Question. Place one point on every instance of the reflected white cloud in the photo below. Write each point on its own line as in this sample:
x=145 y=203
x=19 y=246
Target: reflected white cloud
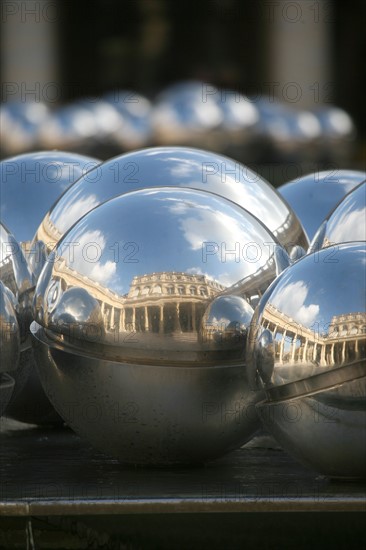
x=67 y=215
x=88 y=258
x=292 y=299
x=351 y=226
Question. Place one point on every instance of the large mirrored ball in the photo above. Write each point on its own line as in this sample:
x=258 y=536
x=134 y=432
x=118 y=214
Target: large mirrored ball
x=312 y=197
x=307 y=349
x=9 y=345
x=28 y=402
x=31 y=183
x=346 y=223
x=119 y=317
x=180 y=167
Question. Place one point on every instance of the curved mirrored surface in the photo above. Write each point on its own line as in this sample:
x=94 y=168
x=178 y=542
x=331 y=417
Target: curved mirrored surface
x=14 y=270
x=178 y=167
x=326 y=431
x=9 y=333
x=31 y=183
x=313 y=196
x=137 y=273
x=347 y=222
x=312 y=320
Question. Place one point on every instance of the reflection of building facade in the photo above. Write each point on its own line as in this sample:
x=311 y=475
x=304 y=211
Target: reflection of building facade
x=344 y=341
x=156 y=302
x=168 y=301
x=7 y=274
x=48 y=233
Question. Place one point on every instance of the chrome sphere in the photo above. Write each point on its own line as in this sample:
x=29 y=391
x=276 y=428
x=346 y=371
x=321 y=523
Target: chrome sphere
x=31 y=183
x=28 y=402
x=286 y=133
x=313 y=196
x=69 y=127
x=119 y=316
x=187 y=112
x=346 y=223
x=307 y=350
x=9 y=345
x=175 y=166
x=19 y=125
x=134 y=112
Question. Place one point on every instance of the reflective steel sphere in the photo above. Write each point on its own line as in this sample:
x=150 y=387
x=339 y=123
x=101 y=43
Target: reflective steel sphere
x=175 y=166
x=286 y=133
x=313 y=196
x=31 y=183
x=121 y=335
x=346 y=223
x=134 y=111
x=187 y=113
x=19 y=125
x=28 y=402
x=307 y=349
x=9 y=345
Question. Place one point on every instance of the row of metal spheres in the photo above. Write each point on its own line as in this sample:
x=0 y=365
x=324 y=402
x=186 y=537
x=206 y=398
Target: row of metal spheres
x=168 y=301
x=258 y=129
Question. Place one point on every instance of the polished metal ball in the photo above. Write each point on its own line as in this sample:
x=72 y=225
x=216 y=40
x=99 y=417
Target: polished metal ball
x=175 y=166
x=9 y=345
x=19 y=125
x=134 y=112
x=187 y=113
x=121 y=333
x=27 y=400
x=313 y=196
x=307 y=350
x=31 y=183
x=346 y=223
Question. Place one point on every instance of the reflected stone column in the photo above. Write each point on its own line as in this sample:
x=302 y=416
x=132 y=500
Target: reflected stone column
x=343 y=351
x=146 y=319
x=176 y=318
x=282 y=344
x=122 y=319
x=133 y=318
x=161 y=321
x=305 y=349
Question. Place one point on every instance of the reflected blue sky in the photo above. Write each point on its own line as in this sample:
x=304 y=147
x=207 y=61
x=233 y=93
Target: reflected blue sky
x=313 y=196
x=322 y=285
x=165 y=230
x=181 y=167
x=31 y=183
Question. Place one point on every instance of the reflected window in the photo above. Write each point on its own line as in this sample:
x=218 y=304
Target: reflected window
x=170 y=290
x=203 y=291
x=181 y=290
x=193 y=290
x=146 y=290
x=157 y=289
x=136 y=292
